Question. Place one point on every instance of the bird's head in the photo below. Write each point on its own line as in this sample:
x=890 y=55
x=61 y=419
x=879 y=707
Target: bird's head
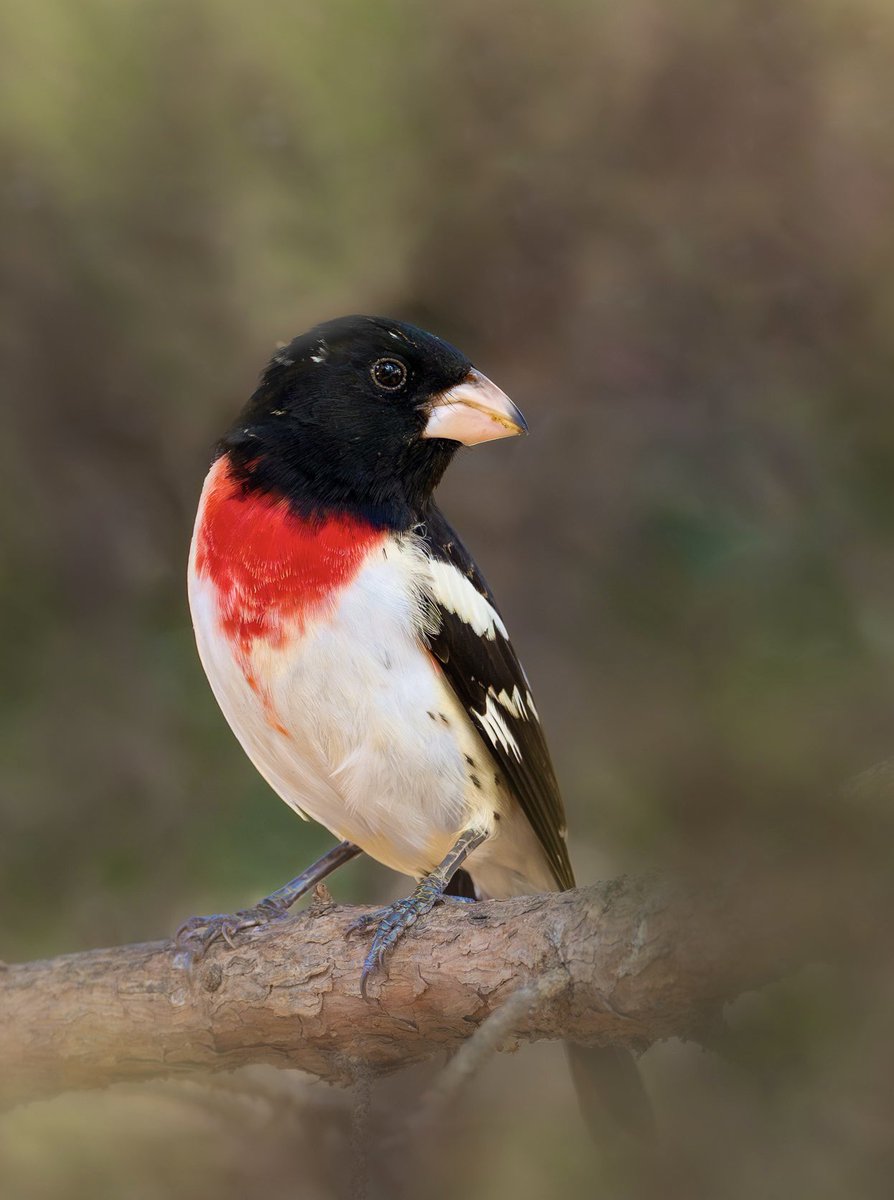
x=363 y=414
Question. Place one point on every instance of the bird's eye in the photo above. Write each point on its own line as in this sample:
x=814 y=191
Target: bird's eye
x=390 y=374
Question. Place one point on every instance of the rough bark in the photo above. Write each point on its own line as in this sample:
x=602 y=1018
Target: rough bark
x=629 y=961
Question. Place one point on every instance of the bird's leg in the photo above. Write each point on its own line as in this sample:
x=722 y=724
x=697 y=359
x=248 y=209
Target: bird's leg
x=195 y=935
x=394 y=920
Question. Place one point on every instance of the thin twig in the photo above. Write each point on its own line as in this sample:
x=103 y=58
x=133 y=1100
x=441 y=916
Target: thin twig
x=360 y=1133
x=484 y=1044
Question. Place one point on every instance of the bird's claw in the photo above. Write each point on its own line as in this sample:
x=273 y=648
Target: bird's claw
x=194 y=936
x=393 y=921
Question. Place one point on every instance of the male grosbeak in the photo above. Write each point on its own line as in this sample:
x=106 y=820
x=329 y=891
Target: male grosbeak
x=353 y=644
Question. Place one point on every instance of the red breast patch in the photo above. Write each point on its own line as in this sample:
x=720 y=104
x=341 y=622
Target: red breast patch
x=272 y=570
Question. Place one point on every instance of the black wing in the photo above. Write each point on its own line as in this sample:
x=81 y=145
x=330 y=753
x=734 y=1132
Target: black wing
x=482 y=668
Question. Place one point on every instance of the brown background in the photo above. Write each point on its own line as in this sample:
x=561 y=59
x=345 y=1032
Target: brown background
x=666 y=231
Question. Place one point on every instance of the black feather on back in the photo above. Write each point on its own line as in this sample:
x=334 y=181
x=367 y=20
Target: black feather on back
x=478 y=667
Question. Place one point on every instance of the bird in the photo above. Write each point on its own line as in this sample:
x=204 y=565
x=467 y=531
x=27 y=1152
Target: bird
x=356 y=650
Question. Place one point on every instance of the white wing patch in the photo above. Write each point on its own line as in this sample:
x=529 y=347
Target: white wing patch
x=521 y=706
x=458 y=595
x=496 y=728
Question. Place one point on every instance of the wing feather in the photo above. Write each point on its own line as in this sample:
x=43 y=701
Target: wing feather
x=473 y=647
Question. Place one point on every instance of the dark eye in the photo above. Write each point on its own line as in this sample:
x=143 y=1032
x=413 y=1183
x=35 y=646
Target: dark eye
x=390 y=374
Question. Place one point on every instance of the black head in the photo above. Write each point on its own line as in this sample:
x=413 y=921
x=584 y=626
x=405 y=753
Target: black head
x=363 y=414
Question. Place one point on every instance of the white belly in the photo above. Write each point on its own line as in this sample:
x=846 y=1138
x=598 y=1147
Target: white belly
x=351 y=722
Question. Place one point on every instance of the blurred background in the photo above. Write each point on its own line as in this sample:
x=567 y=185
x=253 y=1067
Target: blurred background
x=666 y=231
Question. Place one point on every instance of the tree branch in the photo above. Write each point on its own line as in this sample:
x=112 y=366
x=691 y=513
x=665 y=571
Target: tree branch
x=630 y=961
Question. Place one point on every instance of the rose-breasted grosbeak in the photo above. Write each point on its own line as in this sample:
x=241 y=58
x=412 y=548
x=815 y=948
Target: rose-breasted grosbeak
x=349 y=637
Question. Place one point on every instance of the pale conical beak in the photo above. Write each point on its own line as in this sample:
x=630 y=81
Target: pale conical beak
x=474 y=411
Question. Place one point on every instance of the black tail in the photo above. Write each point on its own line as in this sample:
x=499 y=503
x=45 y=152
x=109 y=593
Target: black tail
x=611 y=1094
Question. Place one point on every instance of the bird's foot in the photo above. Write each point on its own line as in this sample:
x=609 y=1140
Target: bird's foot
x=194 y=936
x=393 y=921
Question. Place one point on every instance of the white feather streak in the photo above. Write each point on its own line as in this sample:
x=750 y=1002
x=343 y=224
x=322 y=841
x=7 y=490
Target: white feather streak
x=458 y=595
x=496 y=729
